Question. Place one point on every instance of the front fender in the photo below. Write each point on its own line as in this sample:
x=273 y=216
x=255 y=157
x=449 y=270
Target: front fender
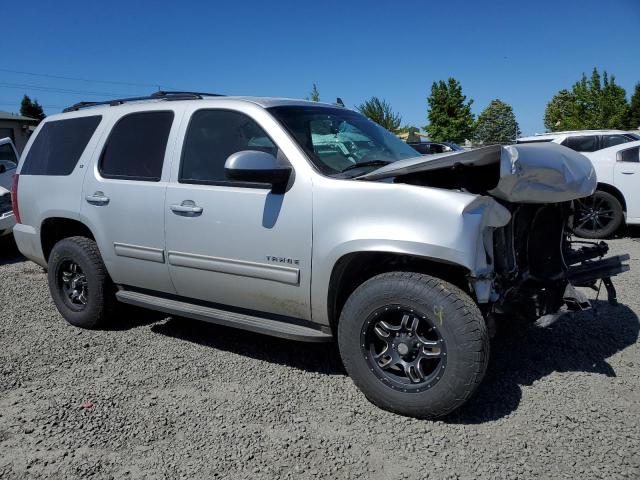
x=435 y=224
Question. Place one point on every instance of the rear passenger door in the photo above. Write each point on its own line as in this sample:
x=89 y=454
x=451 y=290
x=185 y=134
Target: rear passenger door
x=626 y=177
x=123 y=196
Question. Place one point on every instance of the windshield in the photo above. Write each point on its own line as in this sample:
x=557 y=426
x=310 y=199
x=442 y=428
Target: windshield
x=338 y=140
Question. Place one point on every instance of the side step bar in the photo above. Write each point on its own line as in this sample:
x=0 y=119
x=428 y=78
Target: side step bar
x=267 y=326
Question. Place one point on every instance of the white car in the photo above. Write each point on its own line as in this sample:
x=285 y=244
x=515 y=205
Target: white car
x=614 y=154
x=8 y=164
x=617 y=197
x=584 y=140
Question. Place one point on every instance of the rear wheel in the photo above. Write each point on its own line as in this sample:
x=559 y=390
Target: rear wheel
x=79 y=283
x=597 y=216
x=413 y=344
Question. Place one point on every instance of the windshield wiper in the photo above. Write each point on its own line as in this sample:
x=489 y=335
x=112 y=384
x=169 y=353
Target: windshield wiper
x=370 y=163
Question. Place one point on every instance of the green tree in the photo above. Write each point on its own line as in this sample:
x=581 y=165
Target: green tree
x=496 y=124
x=32 y=109
x=314 y=95
x=560 y=112
x=450 y=117
x=597 y=102
x=380 y=111
x=633 y=116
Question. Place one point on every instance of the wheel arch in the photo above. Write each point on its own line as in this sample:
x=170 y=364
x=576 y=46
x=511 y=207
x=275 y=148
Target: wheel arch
x=606 y=187
x=355 y=268
x=54 y=229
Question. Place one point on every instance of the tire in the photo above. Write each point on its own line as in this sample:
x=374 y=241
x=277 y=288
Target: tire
x=598 y=216
x=453 y=318
x=83 y=294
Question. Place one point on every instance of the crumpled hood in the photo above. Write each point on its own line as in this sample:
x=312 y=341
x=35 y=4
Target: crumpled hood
x=529 y=173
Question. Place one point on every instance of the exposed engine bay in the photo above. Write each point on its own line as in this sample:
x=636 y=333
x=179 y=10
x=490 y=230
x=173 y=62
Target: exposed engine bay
x=535 y=262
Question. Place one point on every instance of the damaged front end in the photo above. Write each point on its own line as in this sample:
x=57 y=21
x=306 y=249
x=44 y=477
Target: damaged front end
x=533 y=264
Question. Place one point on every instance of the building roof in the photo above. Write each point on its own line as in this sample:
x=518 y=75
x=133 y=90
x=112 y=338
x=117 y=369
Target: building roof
x=16 y=117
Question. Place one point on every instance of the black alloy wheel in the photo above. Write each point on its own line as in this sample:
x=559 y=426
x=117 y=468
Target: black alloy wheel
x=403 y=348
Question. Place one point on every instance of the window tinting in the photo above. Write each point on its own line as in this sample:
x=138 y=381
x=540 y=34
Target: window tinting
x=629 y=155
x=212 y=136
x=582 y=144
x=8 y=158
x=136 y=147
x=612 y=140
x=59 y=145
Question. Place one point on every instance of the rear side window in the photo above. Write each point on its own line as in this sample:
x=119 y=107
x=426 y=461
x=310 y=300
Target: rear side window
x=136 y=147
x=214 y=135
x=8 y=160
x=629 y=155
x=582 y=144
x=612 y=140
x=59 y=145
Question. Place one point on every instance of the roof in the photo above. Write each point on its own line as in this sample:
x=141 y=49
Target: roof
x=552 y=135
x=17 y=118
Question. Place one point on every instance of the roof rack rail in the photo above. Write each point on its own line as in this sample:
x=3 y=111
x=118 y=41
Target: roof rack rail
x=159 y=95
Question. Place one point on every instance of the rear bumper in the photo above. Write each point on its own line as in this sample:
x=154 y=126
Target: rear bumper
x=7 y=221
x=28 y=241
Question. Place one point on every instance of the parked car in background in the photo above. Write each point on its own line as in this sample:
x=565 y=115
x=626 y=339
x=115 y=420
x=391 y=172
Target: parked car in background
x=584 y=140
x=8 y=164
x=216 y=208
x=431 y=148
x=617 y=197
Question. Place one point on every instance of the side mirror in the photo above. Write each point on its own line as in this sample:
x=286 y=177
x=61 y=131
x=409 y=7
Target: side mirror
x=257 y=167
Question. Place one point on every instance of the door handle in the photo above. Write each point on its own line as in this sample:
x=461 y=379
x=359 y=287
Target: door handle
x=627 y=173
x=97 y=198
x=187 y=207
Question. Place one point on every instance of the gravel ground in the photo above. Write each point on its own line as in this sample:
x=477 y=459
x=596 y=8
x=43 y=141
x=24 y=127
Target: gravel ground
x=157 y=397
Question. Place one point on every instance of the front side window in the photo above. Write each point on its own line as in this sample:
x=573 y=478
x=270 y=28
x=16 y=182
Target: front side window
x=8 y=160
x=629 y=155
x=214 y=135
x=612 y=140
x=338 y=140
x=136 y=147
x=587 y=143
x=59 y=145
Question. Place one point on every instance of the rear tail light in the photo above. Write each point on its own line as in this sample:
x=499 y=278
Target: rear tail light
x=14 y=197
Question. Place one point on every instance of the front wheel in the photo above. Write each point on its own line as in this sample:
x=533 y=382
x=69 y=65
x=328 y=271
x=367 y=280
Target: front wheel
x=597 y=216
x=413 y=344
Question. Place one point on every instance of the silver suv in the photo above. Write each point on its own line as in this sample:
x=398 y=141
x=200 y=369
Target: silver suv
x=306 y=221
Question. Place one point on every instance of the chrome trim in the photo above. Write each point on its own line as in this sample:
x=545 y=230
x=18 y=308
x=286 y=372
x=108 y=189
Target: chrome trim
x=276 y=273
x=141 y=253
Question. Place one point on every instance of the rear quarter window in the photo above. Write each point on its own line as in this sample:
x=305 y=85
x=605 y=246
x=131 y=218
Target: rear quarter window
x=59 y=145
x=587 y=143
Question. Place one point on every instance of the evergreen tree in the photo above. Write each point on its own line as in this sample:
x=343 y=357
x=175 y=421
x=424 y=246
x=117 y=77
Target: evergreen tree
x=32 y=109
x=380 y=111
x=450 y=117
x=594 y=103
x=497 y=124
x=314 y=95
x=633 y=116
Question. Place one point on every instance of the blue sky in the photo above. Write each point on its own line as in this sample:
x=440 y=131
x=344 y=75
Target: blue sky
x=519 y=51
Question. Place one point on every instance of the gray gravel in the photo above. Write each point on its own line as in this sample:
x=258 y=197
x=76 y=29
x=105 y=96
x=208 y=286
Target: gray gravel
x=174 y=398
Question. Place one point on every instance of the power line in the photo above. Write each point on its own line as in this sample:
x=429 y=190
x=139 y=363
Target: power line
x=23 y=86
x=17 y=104
x=77 y=79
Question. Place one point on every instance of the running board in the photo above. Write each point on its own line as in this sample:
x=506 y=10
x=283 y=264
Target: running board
x=267 y=326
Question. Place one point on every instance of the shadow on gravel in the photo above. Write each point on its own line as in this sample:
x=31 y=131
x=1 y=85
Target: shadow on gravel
x=9 y=251
x=577 y=342
x=128 y=317
x=311 y=357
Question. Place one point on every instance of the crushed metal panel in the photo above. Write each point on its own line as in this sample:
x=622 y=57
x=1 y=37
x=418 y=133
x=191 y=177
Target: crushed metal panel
x=543 y=173
x=529 y=173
